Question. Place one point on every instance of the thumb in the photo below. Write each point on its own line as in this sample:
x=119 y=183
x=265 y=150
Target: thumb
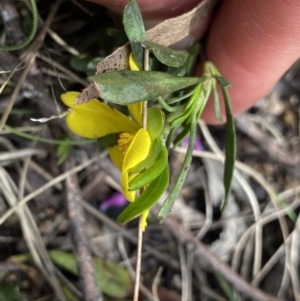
x=253 y=43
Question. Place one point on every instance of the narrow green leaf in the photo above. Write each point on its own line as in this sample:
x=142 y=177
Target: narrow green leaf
x=169 y=202
x=155 y=122
x=223 y=82
x=180 y=98
x=135 y=30
x=184 y=112
x=166 y=55
x=10 y=292
x=153 y=154
x=181 y=135
x=46 y=140
x=187 y=68
x=126 y=87
x=225 y=286
x=151 y=173
x=182 y=118
x=230 y=148
x=63 y=151
x=165 y=106
x=216 y=101
x=147 y=199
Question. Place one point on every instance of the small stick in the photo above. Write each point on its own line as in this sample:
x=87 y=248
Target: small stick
x=138 y=261
x=90 y=289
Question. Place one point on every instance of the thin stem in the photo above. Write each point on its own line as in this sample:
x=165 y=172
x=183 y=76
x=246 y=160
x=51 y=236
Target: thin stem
x=44 y=140
x=145 y=103
x=140 y=234
x=138 y=261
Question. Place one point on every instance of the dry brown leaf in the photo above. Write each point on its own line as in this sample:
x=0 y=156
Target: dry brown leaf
x=166 y=33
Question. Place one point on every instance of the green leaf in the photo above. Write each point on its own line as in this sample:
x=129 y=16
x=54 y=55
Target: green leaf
x=223 y=82
x=126 y=87
x=80 y=62
x=151 y=173
x=63 y=151
x=10 y=292
x=187 y=68
x=216 y=102
x=147 y=199
x=152 y=156
x=135 y=30
x=225 y=287
x=166 y=55
x=185 y=131
x=155 y=122
x=178 y=121
x=86 y=64
x=184 y=112
x=197 y=103
x=165 y=105
x=113 y=280
x=230 y=148
x=45 y=140
x=169 y=202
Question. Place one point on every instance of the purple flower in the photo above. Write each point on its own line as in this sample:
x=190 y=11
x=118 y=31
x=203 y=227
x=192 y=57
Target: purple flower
x=116 y=200
x=197 y=146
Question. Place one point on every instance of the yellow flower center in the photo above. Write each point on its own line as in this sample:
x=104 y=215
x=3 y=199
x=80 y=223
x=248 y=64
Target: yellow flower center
x=124 y=141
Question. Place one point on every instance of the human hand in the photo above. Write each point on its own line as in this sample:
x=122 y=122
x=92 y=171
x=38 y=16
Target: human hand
x=252 y=43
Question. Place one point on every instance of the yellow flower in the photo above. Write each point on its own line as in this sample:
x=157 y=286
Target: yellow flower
x=95 y=119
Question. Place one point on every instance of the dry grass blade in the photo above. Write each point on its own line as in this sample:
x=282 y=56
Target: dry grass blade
x=294 y=260
x=22 y=153
x=53 y=182
x=185 y=274
x=30 y=230
x=197 y=248
x=273 y=196
x=250 y=194
x=69 y=74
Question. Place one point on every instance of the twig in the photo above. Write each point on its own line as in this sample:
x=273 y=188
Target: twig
x=200 y=250
x=91 y=291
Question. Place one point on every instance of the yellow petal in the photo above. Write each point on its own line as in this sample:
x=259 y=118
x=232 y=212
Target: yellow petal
x=136 y=112
x=116 y=156
x=144 y=219
x=95 y=119
x=132 y=63
x=137 y=152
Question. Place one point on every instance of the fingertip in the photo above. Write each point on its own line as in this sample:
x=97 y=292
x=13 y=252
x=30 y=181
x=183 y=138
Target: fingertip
x=253 y=44
x=152 y=9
